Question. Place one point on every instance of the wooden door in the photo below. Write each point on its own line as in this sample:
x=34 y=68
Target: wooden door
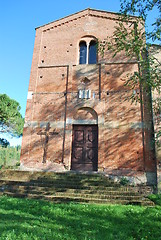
x=85 y=148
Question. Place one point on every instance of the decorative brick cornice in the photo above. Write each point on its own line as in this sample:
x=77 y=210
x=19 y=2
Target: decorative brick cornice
x=81 y=14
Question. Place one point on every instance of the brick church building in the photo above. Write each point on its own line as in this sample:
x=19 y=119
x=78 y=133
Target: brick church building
x=78 y=116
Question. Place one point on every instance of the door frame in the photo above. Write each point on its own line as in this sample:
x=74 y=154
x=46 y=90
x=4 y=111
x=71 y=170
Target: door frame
x=84 y=125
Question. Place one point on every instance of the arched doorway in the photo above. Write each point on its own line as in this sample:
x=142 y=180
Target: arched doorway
x=85 y=141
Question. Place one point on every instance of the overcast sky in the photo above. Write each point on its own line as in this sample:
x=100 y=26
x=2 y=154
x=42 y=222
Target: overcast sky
x=18 y=20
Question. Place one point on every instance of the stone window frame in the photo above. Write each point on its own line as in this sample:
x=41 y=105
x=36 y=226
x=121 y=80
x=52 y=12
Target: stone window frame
x=83 y=46
x=87 y=40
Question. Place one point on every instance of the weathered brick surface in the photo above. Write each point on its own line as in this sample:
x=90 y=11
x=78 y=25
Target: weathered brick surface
x=56 y=77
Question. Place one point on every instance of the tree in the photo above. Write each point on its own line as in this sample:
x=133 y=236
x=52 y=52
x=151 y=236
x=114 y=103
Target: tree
x=130 y=39
x=4 y=143
x=143 y=9
x=130 y=36
x=141 y=49
x=11 y=120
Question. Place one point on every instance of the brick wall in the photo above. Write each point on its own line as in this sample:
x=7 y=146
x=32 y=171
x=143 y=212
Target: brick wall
x=56 y=77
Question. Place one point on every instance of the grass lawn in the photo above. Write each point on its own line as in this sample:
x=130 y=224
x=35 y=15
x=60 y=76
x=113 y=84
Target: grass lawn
x=32 y=219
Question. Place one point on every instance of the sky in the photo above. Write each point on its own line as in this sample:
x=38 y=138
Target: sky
x=18 y=20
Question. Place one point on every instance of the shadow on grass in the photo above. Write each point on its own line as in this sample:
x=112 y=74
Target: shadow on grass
x=31 y=219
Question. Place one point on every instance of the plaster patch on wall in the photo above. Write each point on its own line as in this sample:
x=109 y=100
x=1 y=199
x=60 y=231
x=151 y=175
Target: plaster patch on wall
x=137 y=125
x=69 y=120
x=90 y=25
x=101 y=120
x=29 y=95
x=84 y=121
x=59 y=124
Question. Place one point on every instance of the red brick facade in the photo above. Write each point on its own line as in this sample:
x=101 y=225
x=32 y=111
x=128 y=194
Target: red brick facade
x=54 y=105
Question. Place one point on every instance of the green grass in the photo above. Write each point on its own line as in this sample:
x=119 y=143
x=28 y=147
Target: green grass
x=24 y=219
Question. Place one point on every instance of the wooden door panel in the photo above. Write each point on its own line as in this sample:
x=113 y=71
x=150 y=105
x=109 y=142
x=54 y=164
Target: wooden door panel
x=79 y=136
x=78 y=153
x=90 y=154
x=91 y=136
x=85 y=148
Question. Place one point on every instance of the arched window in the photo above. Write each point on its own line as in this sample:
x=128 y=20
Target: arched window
x=82 y=52
x=92 y=53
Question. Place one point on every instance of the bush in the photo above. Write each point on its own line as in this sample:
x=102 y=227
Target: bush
x=156 y=198
x=124 y=181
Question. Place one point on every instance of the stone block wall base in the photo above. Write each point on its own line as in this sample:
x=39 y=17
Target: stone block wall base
x=44 y=167
x=133 y=177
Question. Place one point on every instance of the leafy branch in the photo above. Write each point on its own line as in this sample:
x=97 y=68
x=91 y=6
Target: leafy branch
x=11 y=121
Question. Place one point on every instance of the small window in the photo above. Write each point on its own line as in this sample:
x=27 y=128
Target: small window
x=84 y=94
x=82 y=52
x=92 y=53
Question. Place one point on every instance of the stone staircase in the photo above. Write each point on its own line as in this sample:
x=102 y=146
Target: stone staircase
x=69 y=186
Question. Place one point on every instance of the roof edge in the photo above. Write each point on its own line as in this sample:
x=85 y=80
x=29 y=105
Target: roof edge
x=81 y=11
x=62 y=18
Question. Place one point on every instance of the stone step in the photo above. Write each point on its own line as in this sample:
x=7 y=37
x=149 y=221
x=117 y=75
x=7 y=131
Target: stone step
x=96 y=182
x=70 y=187
x=69 y=193
x=58 y=184
x=42 y=189
x=49 y=176
x=62 y=190
x=132 y=196
x=79 y=199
